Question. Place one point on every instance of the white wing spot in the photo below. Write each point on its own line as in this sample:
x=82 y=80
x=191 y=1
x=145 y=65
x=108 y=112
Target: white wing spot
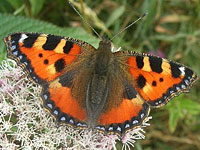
x=50 y=106
x=84 y=125
x=186 y=82
x=142 y=115
x=62 y=118
x=45 y=96
x=25 y=63
x=79 y=124
x=71 y=121
x=134 y=122
x=110 y=128
x=102 y=128
x=55 y=112
x=15 y=53
x=115 y=50
x=183 y=86
x=23 y=37
x=20 y=57
x=127 y=126
x=13 y=47
x=119 y=129
x=98 y=127
x=182 y=69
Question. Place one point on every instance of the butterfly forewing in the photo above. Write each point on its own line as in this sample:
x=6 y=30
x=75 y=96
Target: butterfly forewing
x=157 y=80
x=44 y=57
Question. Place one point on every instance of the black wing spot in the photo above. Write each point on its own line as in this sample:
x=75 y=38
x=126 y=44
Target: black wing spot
x=188 y=72
x=14 y=38
x=59 y=65
x=40 y=55
x=141 y=81
x=30 y=40
x=175 y=70
x=139 y=61
x=161 y=79
x=155 y=64
x=154 y=83
x=68 y=46
x=51 y=42
x=46 y=61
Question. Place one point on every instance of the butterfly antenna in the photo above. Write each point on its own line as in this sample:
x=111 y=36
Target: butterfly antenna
x=85 y=20
x=141 y=17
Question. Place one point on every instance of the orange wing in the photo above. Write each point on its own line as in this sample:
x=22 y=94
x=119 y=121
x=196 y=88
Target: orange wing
x=58 y=100
x=43 y=56
x=128 y=115
x=157 y=80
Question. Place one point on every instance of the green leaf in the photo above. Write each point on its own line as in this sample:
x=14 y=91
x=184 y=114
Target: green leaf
x=175 y=113
x=16 y=4
x=36 y=6
x=10 y=24
x=190 y=106
x=14 y=129
x=91 y=14
x=179 y=108
x=174 y=116
x=115 y=15
x=5 y=6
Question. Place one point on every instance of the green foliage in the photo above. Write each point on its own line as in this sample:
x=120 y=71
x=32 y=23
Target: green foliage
x=182 y=109
x=11 y=24
x=115 y=15
x=36 y=6
x=171 y=27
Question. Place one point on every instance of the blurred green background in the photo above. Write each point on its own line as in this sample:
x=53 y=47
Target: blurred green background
x=171 y=29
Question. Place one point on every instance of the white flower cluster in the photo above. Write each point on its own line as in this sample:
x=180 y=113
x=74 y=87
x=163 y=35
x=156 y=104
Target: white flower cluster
x=24 y=124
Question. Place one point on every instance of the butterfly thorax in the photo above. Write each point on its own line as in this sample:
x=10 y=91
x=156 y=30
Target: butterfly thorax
x=103 y=58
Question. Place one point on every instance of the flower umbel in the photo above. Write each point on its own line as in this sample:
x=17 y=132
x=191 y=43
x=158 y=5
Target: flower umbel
x=24 y=124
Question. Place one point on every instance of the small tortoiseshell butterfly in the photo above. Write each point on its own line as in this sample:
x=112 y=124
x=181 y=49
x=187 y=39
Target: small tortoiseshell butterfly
x=95 y=88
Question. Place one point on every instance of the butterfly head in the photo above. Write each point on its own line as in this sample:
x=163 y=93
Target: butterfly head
x=105 y=44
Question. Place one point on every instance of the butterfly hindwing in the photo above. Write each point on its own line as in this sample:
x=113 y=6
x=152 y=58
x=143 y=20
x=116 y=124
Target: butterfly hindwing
x=157 y=80
x=44 y=57
x=128 y=115
x=57 y=99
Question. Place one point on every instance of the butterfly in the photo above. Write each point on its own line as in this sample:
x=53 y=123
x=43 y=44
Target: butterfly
x=94 y=88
